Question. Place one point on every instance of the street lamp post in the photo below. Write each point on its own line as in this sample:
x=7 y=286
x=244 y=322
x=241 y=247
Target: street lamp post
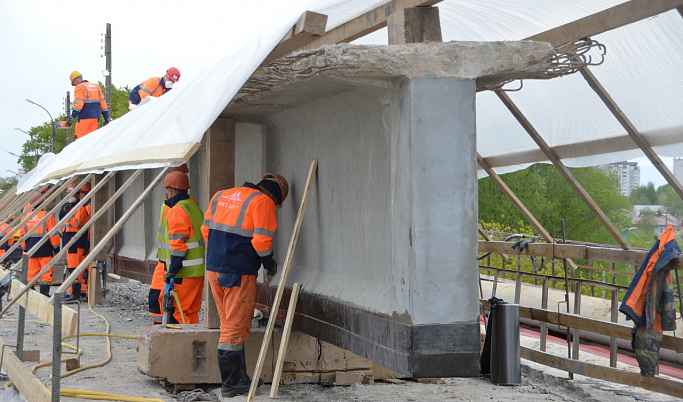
x=54 y=133
x=35 y=145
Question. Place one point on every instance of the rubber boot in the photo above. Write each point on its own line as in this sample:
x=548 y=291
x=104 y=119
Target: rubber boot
x=75 y=293
x=243 y=366
x=234 y=378
x=45 y=290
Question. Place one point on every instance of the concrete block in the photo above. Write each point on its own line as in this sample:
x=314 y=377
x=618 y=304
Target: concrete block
x=348 y=377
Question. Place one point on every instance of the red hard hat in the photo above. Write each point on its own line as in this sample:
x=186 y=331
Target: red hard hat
x=177 y=180
x=182 y=169
x=281 y=181
x=173 y=74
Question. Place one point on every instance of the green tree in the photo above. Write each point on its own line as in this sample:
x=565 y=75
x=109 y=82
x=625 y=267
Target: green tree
x=43 y=133
x=671 y=200
x=549 y=197
x=644 y=195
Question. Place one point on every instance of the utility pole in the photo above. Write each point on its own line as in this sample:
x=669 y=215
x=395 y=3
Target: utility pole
x=107 y=73
x=67 y=110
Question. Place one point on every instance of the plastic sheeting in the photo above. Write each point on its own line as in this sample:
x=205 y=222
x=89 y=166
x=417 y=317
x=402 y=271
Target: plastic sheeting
x=641 y=71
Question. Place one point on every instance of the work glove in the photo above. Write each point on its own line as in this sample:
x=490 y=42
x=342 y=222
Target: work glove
x=272 y=271
x=107 y=120
x=57 y=125
x=168 y=276
x=69 y=121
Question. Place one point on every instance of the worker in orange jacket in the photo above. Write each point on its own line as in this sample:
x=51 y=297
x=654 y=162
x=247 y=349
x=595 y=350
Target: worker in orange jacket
x=5 y=229
x=77 y=252
x=88 y=103
x=181 y=249
x=41 y=257
x=239 y=226
x=153 y=87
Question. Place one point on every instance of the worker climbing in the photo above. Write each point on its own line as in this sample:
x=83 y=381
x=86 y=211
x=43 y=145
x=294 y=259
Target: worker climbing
x=239 y=226
x=181 y=253
x=88 y=103
x=153 y=88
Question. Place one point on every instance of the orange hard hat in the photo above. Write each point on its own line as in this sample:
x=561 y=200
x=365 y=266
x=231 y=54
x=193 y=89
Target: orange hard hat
x=177 y=180
x=71 y=188
x=86 y=187
x=182 y=169
x=281 y=182
x=173 y=74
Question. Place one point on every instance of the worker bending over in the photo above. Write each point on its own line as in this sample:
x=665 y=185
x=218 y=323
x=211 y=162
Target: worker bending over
x=181 y=248
x=88 y=102
x=239 y=225
x=77 y=252
x=154 y=87
x=41 y=257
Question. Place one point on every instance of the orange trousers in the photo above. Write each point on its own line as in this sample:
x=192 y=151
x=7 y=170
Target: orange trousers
x=235 y=307
x=189 y=294
x=35 y=264
x=86 y=126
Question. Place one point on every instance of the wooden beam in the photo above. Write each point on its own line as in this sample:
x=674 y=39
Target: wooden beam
x=369 y=22
x=520 y=206
x=606 y=20
x=220 y=174
x=486 y=237
x=283 y=280
x=657 y=384
x=564 y=171
x=414 y=25
x=632 y=131
x=310 y=26
x=284 y=341
x=26 y=382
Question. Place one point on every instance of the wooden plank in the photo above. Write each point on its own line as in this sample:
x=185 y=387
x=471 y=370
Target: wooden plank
x=657 y=384
x=286 y=331
x=564 y=171
x=369 y=22
x=220 y=174
x=283 y=281
x=606 y=20
x=632 y=131
x=486 y=237
x=414 y=25
x=26 y=382
x=39 y=305
x=311 y=25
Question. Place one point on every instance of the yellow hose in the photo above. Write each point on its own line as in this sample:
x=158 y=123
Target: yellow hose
x=74 y=393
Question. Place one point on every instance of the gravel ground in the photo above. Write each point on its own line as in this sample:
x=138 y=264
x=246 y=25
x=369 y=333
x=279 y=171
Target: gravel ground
x=126 y=310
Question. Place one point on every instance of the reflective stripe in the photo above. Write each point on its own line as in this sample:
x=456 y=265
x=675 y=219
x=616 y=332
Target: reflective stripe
x=230 y=229
x=264 y=253
x=178 y=253
x=178 y=236
x=162 y=230
x=165 y=246
x=243 y=210
x=231 y=346
x=264 y=232
x=189 y=263
x=145 y=90
x=195 y=244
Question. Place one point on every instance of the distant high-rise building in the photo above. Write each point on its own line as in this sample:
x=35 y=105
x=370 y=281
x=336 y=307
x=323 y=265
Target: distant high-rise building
x=678 y=168
x=628 y=174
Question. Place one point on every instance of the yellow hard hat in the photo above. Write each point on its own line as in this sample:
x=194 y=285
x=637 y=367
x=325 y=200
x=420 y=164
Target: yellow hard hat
x=73 y=76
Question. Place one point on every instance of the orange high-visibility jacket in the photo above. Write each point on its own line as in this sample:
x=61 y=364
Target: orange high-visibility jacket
x=238 y=227
x=69 y=230
x=4 y=230
x=154 y=87
x=89 y=101
x=46 y=250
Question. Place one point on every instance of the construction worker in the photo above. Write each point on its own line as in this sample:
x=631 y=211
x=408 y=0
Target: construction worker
x=88 y=103
x=5 y=228
x=77 y=252
x=239 y=225
x=182 y=248
x=154 y=87
x=40 y=258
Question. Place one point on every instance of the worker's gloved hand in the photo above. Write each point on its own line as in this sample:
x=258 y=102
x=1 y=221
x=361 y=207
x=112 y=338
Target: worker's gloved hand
x=69 y=121
x=57 y=125
x=107 y=120
x=168 y=276
x=272 y=271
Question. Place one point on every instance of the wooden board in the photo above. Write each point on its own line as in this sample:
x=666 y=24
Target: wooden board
x=310 y=26
x=286 y=331
x=283 y=281
x=26 y=382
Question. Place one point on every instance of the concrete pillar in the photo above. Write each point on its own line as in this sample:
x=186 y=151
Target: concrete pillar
x=436 y=190
x=220 y=174
x=414 y=25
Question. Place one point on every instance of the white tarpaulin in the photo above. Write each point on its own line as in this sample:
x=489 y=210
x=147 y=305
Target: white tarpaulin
x=641 y=72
